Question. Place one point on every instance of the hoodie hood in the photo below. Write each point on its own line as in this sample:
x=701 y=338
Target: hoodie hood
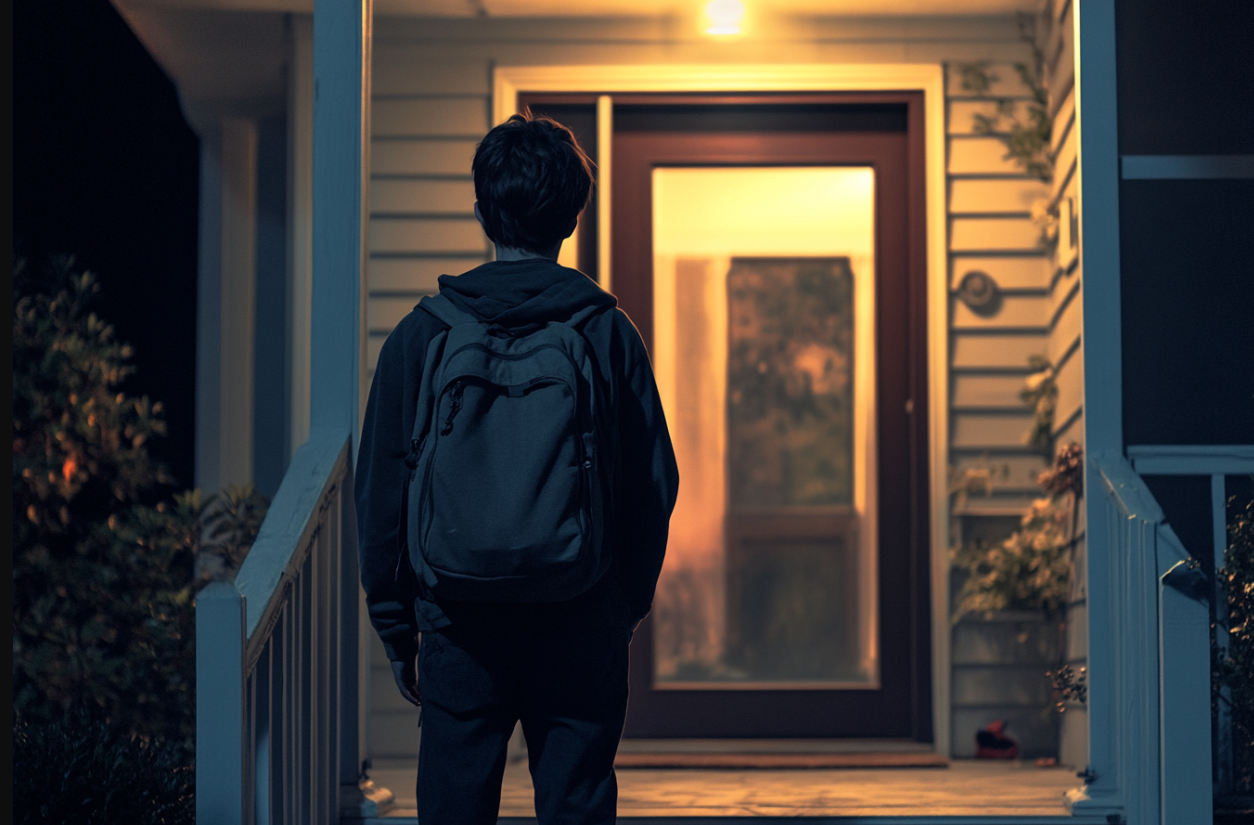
x=519 y=293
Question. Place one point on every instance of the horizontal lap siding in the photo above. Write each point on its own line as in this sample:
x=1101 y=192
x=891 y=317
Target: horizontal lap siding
x=979 y=156
x=427 y=116
x=962 y=113
x=1003 y=354
x=991 y=203
x=1001 y=430
x=411 y=116
x=406 y=156
x=1027 y=272
x=1028 y=312
x=390 y=197
x=413 y=236
x=986 y=390
x=1012 y=476
x=991 y=230
x=982 y=195
x=397 y=276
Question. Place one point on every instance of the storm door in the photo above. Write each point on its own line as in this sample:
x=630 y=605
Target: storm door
x=771 y=252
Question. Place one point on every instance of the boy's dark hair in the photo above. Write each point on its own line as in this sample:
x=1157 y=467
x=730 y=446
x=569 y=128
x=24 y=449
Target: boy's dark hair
x=532 y=180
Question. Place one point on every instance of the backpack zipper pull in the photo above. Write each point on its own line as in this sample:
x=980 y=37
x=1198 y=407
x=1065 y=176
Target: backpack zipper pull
x=411 y=460
x=455 y=407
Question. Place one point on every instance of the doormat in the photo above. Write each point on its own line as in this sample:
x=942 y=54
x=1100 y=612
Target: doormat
x=742 y=761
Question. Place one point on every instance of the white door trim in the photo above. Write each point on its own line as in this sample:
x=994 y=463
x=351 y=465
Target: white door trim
x=929 y=78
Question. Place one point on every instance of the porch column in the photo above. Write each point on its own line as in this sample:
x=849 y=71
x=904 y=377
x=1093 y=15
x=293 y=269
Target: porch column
x=1113 y=786
x=226 y=302
x=300 y=105
x=341 y=132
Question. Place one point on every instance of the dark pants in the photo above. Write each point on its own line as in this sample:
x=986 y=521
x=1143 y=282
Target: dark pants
x=559 y=668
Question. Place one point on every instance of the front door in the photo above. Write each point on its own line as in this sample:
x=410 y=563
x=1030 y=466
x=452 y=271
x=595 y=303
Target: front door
x=770 y=249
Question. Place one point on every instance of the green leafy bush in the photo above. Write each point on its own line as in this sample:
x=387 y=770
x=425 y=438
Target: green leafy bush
x=82 y=770
x=106 y=560
x=102 y=566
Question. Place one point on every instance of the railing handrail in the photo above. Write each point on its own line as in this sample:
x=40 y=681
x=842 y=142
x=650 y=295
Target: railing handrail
x=1128 y=490
x=1132 y=496
x=277 y=696
x=288 y=530
x=1192 y=459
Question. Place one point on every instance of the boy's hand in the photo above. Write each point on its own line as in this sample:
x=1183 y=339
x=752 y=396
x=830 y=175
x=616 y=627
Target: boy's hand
x=406 y=675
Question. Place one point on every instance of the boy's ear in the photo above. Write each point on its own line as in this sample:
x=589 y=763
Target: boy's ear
x=478 y=214
x=570 y=230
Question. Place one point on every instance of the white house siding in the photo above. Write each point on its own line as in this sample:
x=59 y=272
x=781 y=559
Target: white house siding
x=990 y=203
x=432 y=99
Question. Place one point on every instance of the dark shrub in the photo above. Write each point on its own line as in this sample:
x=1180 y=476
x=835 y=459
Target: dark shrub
x=80 y=770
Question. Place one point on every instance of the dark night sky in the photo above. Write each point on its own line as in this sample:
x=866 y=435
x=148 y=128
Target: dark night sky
x=106 y=168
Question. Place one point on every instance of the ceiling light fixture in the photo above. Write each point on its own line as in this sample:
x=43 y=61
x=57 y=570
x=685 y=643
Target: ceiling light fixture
x=723 y=16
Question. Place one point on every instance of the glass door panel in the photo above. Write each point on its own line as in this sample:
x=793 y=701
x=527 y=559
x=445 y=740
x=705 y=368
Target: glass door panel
x=764 y=355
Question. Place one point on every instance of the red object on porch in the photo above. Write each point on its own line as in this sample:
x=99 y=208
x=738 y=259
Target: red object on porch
x=993 y=743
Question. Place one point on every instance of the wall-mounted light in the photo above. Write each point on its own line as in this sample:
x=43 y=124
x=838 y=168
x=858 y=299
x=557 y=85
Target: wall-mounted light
x=723 y=17
x=980 y=293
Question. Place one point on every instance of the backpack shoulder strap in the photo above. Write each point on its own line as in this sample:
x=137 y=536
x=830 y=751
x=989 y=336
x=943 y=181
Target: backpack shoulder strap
x=444 y=309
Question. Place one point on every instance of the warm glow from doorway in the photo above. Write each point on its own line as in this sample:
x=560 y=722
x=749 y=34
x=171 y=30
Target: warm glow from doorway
x=703 y=218
x=723 y=17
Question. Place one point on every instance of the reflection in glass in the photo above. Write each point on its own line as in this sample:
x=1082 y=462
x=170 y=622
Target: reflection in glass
x=764 y=358
x=789 y=381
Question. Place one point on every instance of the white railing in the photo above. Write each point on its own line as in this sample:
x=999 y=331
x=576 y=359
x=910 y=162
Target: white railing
x=1214 y=461
x=277 y=660
x=1157 y=693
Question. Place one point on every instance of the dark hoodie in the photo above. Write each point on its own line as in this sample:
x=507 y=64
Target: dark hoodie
x=641 y=490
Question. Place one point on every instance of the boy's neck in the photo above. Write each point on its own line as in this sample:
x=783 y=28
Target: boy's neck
x=510 y=253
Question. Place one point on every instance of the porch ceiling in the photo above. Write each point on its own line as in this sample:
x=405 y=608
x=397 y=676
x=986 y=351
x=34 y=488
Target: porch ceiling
x=612 y=8
x=227 y=56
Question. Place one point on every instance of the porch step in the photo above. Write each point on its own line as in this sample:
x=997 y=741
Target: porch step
x=888 y=819
x=969 y=792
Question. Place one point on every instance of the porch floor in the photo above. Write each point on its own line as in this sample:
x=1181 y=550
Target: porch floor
x=967 y=788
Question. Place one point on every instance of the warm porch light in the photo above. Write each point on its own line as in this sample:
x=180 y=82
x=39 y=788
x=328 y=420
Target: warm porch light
x=724 y=16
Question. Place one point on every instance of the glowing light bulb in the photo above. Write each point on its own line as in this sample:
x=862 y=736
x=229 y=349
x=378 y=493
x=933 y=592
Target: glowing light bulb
x=724 y=16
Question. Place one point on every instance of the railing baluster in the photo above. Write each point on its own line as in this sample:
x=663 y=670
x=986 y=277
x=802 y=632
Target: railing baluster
x=291 y=709
x=302 y=720
x=261 y=751
x=278 y=758
x=323 y=574
x=250 y=751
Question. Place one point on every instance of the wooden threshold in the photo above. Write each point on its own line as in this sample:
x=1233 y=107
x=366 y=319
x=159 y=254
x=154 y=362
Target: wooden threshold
x=748 y=761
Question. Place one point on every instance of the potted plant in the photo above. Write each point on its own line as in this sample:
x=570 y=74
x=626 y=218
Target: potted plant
x=1009 y=617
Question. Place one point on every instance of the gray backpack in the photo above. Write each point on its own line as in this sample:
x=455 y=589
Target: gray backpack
x=504 y=500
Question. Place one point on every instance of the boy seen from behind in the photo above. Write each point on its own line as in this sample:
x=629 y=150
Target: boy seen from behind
x=514 y=488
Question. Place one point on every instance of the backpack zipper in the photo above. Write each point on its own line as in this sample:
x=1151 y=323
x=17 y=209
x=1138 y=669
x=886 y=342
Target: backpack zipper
x=458 y=388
